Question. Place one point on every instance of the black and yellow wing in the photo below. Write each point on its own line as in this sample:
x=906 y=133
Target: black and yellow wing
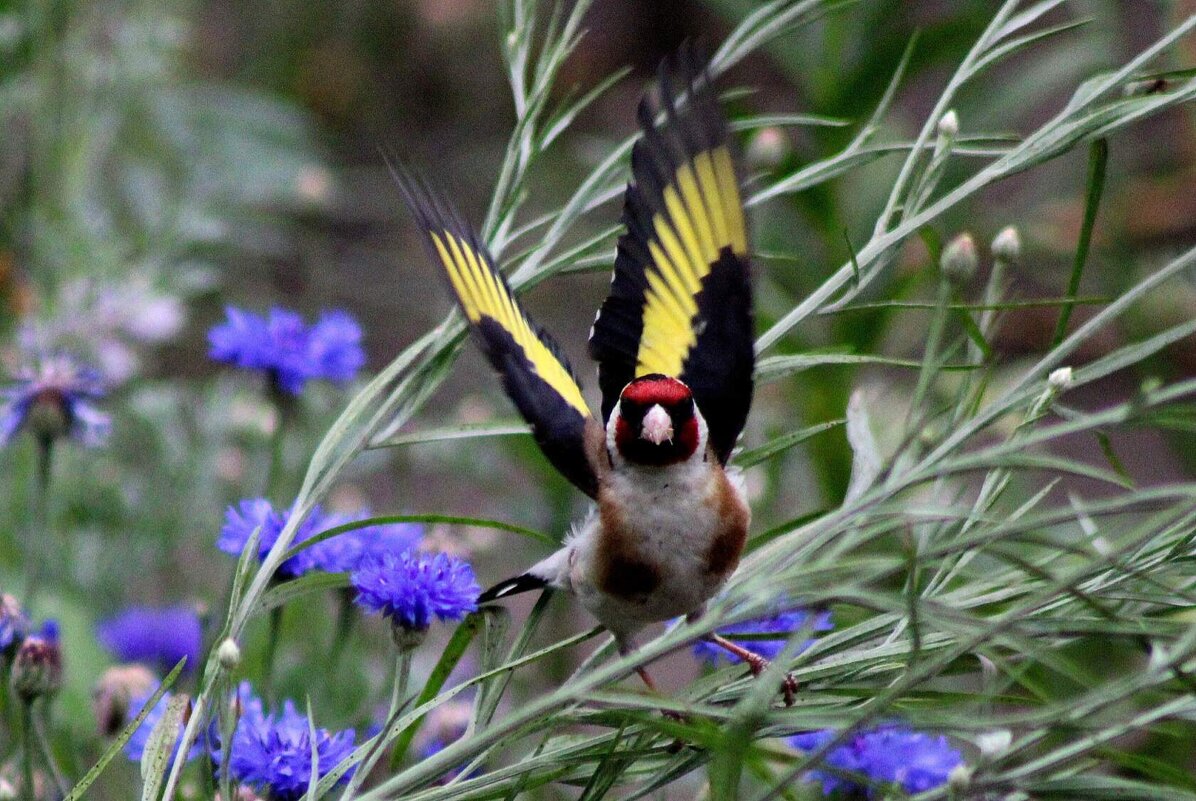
x=680 y=302
x=534 y=372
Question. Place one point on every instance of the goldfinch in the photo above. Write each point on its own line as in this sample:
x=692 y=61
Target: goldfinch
x=674 y=347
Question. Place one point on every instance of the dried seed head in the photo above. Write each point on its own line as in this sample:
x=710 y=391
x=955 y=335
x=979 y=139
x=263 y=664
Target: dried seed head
x=115 y=691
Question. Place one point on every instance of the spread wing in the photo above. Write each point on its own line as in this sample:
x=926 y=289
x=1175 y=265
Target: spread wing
x=681 y=300
x=534 y=372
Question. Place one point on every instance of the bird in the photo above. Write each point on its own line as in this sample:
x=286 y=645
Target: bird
x=674 y=347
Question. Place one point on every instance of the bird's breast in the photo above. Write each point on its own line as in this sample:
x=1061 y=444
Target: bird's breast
x=667 y=538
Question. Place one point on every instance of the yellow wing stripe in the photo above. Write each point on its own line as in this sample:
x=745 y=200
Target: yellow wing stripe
x=710 y=194
x=697 y=212
x=703 y=214
x=482 y=295
x=728 y=186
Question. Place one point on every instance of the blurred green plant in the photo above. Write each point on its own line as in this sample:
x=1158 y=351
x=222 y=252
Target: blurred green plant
x=973 y=561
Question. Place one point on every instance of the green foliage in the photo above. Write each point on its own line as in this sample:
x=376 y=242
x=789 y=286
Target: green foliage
x=987 y=582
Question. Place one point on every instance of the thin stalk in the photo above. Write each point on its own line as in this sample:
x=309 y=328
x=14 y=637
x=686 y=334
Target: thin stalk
x=27 y=790
x=344 y=627
x=39 y=530
x=43 y=744
x=284 y=406
x=271 y=651
x=402 y=676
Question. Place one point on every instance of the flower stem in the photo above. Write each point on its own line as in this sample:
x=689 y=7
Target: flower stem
x=284 y=407
x=43 y=744
x=344 y=626
x=402 y=675
x=41 y=516
x=27 y=789
x=271 y=650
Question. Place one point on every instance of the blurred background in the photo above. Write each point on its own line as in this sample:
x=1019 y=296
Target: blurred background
x=164 y=159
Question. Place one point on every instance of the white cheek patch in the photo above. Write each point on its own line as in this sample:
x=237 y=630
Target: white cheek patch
x=657 y=426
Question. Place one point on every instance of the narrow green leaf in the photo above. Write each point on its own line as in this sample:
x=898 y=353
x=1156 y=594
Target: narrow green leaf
x=453 y=651
x=118 y=743
x=1098 y=159
x=753 y=456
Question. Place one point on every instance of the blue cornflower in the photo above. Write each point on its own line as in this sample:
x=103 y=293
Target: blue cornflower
x=385 y=538
x=412 y=587
x=340 y=553
x=158 y=637
x=14 y=624
x=885 y=755
x=289 y=351
x=135 y=747
x=783 y=624
x=54 y=399
x=273 y=752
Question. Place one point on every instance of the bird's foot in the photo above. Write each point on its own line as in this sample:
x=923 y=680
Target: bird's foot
x=757 y=665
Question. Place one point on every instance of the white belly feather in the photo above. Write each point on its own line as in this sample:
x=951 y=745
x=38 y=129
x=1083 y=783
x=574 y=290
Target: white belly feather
x=672 y=516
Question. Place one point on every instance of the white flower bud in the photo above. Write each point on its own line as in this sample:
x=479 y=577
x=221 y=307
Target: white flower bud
x=768 y=148
x=229 y=654
x=993 y=744
x=1007 y=244
x=959 y=260
x=949 y=125
x=1060 y=379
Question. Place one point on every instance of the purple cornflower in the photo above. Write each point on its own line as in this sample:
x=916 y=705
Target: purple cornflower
x=286 y=349
x=412 y=587
x=135 y=747
x=157 y=637
x=54 y=399
x=885 y=755
x=339 y=553
x=782 y=624
x=14 y=624
x=273 y=752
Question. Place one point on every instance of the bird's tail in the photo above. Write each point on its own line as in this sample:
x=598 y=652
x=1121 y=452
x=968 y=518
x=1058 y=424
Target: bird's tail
x=513 y=586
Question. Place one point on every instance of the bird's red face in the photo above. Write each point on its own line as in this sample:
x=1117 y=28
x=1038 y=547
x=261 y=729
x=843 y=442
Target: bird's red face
x=657 y=423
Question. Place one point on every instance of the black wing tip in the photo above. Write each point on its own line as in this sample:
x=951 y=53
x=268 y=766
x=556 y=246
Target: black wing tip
x=512 y=586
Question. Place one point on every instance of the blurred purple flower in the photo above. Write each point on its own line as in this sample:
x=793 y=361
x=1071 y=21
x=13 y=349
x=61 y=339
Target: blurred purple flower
x=289 y=351
x=273 y=752
x=886 y=755
x=157 y=637
x=135 y=747
x=339 y=553
x=14 y=624
x=783 y=624
x=55 y=399
x=411 y=588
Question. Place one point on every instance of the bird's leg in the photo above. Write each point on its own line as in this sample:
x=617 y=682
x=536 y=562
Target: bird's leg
x=756 y=664
x=626 y=648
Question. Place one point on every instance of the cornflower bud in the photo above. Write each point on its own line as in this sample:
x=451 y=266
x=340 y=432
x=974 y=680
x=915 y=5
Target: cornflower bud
x=949 y=124
x=114 y=692
x=1007 y=245
x=1060 y=379
x=768 y=148
x=229 y=654
x=948 y=129
x=37 y=667
x=959 y=259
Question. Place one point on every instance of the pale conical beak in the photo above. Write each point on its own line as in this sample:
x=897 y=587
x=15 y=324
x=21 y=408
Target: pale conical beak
x=658 y=426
